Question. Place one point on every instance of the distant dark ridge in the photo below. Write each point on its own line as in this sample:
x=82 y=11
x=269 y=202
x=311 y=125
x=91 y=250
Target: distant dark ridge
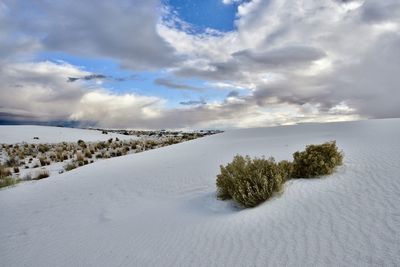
x=71 y=124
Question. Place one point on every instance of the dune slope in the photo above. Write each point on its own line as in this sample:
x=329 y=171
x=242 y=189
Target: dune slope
x=158 y=208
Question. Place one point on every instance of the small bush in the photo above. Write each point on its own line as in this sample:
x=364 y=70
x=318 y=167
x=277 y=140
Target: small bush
x=249 y=181
x=82 y=144
x=12 y=161
x=88 y=154
x=43 y=148
x=69 y=167
x=42 y=174
x=16 y=170
x=79 y=156
x=316 y=160
x=4 y=172
x=42 y=161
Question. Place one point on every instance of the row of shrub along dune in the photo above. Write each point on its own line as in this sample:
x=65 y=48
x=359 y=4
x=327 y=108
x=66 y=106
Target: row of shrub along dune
x=250 y=182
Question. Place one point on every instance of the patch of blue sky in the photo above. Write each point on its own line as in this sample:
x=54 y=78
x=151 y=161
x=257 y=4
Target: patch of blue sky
x=203 y=14
x=122 y=81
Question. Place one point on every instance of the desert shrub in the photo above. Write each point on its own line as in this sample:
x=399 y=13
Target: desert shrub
x=6 y=181
x=316 y=160
x=43 y=161
x=286 y=169
x=85 y=162
x=172 y=141
x=43 y=148
x=69 y=167
x=79 y=156
x=42 y=174
x=134 y=145
x=249 y=181
x=16 y=169
x=88 y=154
x=82 y=144
x=4 y=172
x=99 y=156
x=12 y=161
x=101 y=145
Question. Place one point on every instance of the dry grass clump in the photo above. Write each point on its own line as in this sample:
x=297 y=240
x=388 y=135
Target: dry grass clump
x=4 y=171
x=79 y=156
x=249 y=181
x=5 y=177
x=316 y=160
x=88 y=154
x=43 y=148
x=69 y=167
x=42 y=174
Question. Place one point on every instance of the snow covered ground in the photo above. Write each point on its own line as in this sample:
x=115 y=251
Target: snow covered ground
x=158 y=208
x=11 y=134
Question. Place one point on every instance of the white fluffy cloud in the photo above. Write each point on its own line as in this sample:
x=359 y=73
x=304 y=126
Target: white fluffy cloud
x=41 y=91
x=306 y=52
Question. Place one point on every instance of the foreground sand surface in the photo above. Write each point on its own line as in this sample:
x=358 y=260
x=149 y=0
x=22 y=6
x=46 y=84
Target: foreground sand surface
x=158 y=208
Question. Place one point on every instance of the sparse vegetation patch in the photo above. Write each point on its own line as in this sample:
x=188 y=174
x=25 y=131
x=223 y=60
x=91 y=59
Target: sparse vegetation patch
x=23 y=160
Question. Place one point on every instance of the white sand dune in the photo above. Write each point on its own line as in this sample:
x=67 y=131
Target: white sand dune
x=158 y=208
x=11 y=134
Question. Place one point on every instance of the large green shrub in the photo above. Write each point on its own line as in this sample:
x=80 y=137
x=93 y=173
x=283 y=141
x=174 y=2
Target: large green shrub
x=316 y=160
x=249 y=181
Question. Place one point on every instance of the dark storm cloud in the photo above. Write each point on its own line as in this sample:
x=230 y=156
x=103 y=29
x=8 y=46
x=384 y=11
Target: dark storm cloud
x=376 y=11
x=233 y=94
x=122 y=30
x=87 y=77
x=289 y=55
x=174 y=85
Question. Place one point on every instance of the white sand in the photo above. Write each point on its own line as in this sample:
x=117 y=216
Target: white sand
x=158 y=208
x=11 y=134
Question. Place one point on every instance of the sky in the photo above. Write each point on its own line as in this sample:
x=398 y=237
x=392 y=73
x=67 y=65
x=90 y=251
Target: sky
x=200 y=64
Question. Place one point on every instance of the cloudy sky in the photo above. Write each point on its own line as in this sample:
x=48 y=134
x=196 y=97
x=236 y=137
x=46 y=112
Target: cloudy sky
x=180 y=64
